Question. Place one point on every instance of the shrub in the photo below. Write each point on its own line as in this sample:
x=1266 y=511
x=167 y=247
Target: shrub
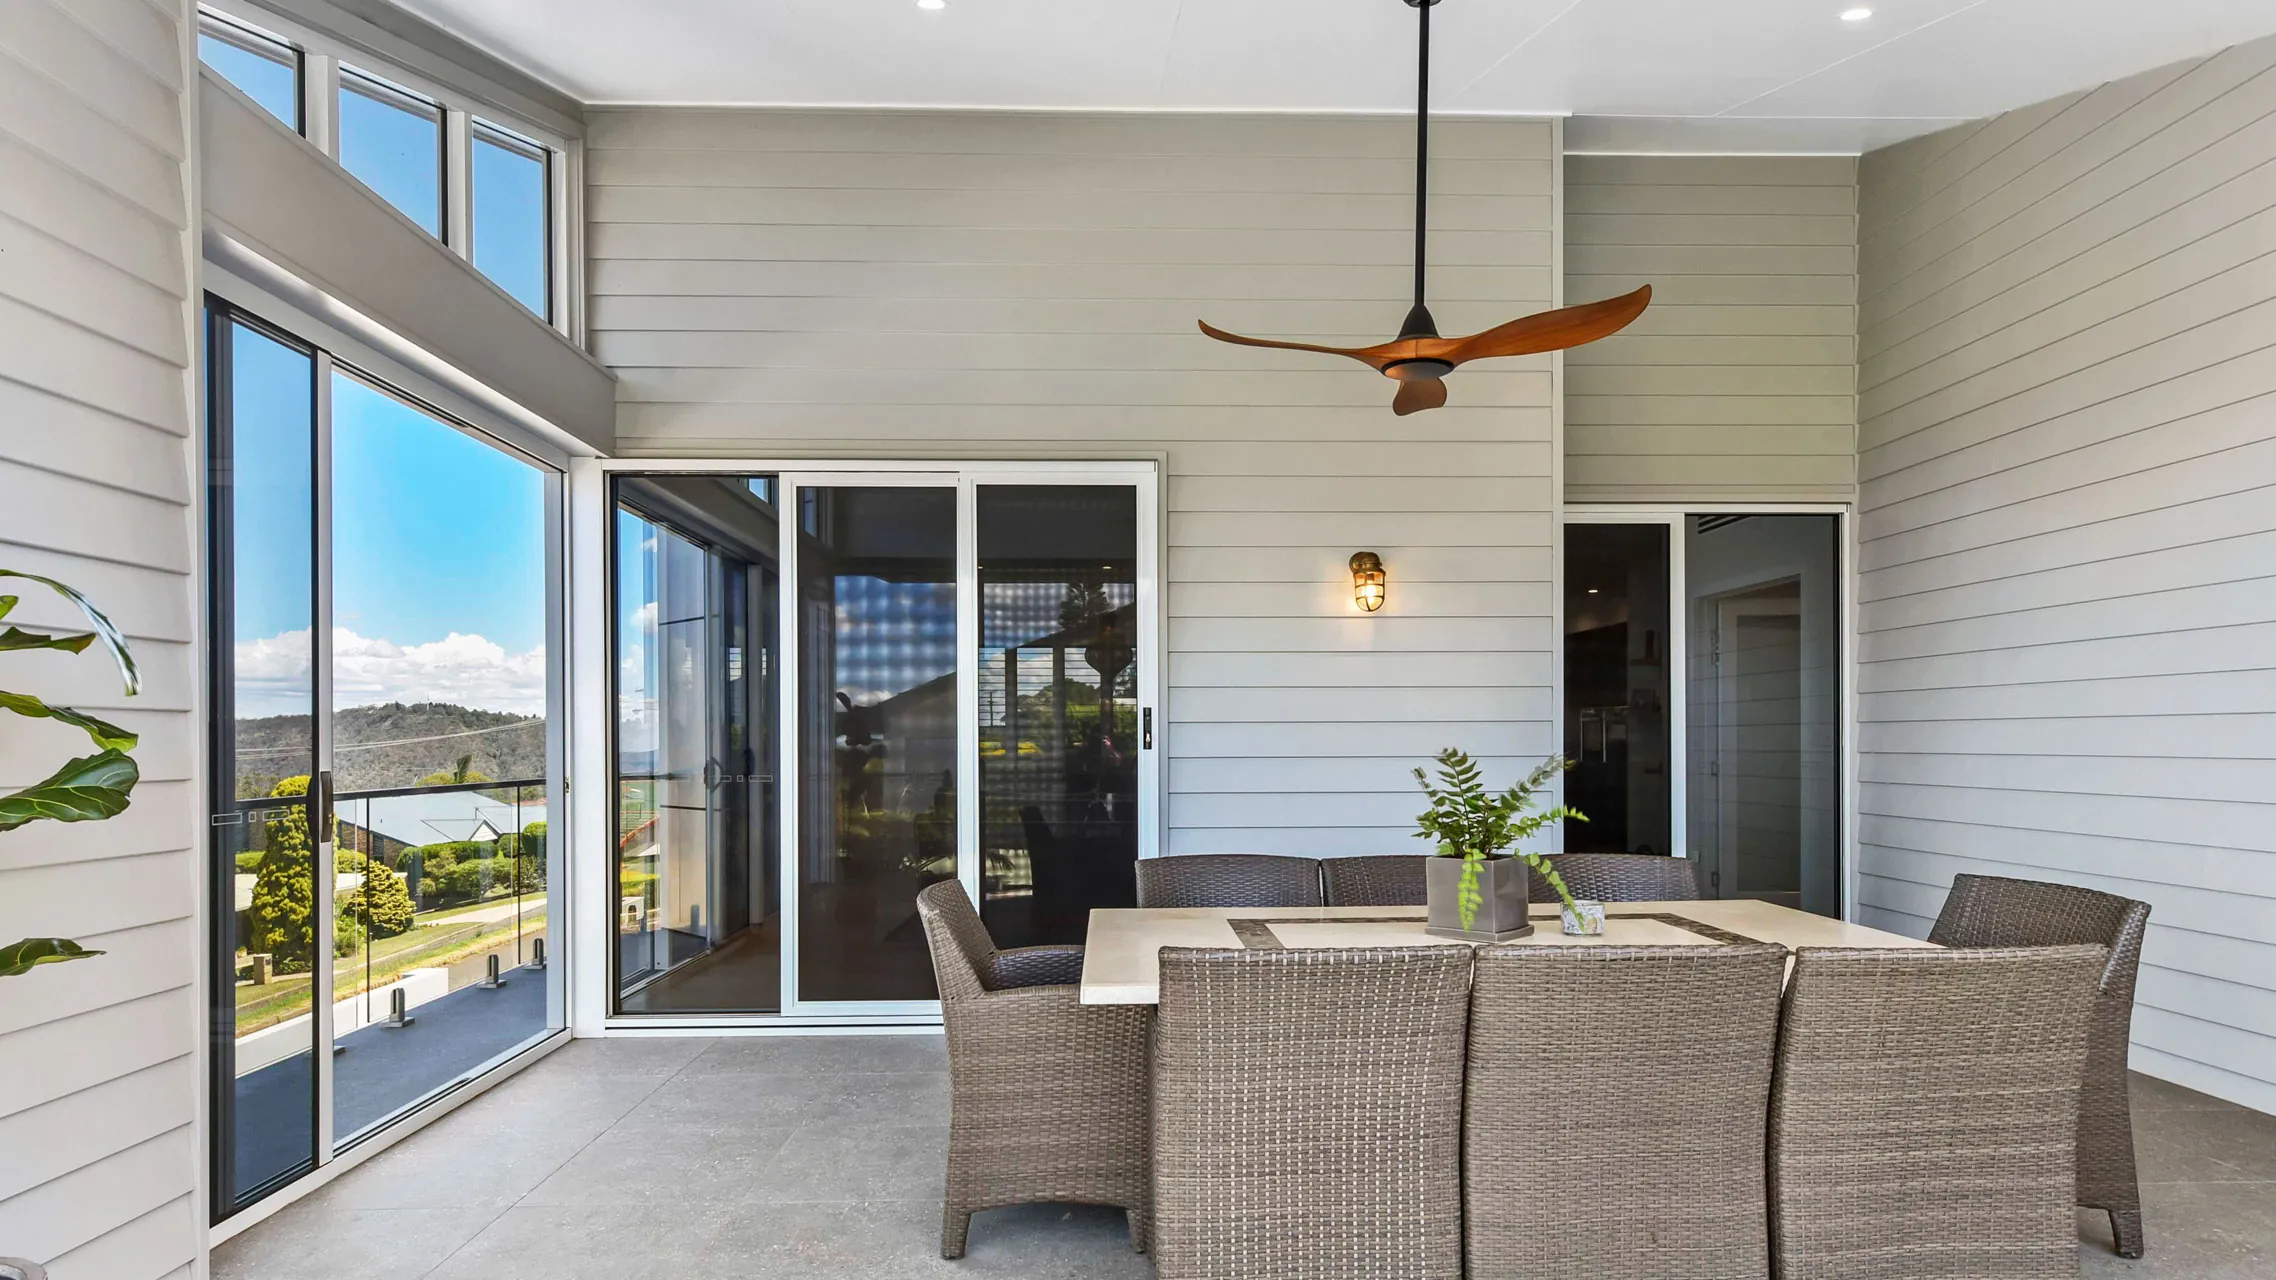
x=249 y=862
x=284 y=893
x=427 y=865
x=384 y=906
x=472 y=880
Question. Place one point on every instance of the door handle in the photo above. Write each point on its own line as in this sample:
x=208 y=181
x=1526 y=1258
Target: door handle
x=1146 y=729
x=324 y=806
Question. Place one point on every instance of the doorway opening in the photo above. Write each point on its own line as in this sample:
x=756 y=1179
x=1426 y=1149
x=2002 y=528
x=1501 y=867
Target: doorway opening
x=1703 y=697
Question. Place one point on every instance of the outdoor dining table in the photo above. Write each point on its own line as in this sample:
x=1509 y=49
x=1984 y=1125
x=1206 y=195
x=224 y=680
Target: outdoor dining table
x=1122 y=954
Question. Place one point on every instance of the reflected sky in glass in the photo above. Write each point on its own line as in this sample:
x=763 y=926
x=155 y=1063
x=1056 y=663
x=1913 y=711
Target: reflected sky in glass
x=509 y=220
x=438 y=561
x=395 y=151
x=275 y=85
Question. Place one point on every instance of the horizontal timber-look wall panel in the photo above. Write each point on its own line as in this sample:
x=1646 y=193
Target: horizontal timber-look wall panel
x=2067 y=551
x=99 y=1070
x=880 y=284
x=1739 y=383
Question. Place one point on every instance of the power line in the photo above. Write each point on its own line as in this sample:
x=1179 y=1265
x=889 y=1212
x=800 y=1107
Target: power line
x=394 y=742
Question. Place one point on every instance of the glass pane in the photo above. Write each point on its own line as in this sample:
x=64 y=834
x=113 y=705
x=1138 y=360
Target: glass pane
x=264 y=510
x=877 y=735
x=698 y=903
x=1616 y=688
x=510 y=223
x=439 y=752
x=267 y=70
x=393 y=142
x=1058 y=707
x=1764 y=786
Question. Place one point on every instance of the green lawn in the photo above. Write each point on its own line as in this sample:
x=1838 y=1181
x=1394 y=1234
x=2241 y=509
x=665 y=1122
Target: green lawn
x=433 y=942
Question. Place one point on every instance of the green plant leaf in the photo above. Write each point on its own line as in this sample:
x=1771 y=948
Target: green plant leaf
x=87 y=789
x=104 y=630
x=18 y=957
x=18 y=638
x=104 y=733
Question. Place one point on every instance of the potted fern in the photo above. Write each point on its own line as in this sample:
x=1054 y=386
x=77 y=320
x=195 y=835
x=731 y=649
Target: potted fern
x=1475 y=890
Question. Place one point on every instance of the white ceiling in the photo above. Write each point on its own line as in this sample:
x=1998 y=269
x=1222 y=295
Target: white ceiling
x=1648 y=75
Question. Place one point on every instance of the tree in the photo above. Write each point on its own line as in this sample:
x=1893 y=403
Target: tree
x=281 y=920
x=528 y=852
x=458 y=775
x=384 y=906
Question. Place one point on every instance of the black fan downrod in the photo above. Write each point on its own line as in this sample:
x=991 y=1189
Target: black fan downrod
x=1419 y=322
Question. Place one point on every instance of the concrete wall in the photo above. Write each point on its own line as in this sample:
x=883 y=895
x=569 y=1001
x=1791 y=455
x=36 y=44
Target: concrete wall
x=2068 y=494
x=99 y=1063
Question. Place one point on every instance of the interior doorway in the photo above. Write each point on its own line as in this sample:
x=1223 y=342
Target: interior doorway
x=1704 y=694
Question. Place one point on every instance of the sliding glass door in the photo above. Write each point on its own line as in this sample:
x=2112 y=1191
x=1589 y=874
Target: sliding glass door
x=1703 y=696
x=961 y=695
x=698 y=909
x=381 y=753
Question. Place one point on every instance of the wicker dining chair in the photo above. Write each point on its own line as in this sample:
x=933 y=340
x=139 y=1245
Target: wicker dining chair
x=1994 y=911
x=1047 y=1096
x=1617 y=877
x=1615 y=1105
x=1308 y=1113
x=1388 y=880
x=1228 y=880
x=1922 y=1111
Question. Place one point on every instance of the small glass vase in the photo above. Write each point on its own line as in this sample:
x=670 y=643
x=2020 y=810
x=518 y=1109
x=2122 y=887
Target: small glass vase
x=1583 y=919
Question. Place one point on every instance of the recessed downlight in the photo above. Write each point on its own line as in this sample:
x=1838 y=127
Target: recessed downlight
x=1847 y=15
x=932 y=4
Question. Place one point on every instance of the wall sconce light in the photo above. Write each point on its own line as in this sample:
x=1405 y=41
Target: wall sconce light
x=1367 y=580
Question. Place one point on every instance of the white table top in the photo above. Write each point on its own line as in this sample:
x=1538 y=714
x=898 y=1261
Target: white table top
x=1122 y=954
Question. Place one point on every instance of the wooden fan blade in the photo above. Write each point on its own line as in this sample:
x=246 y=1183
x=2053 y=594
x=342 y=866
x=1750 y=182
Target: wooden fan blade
x=1416 y=396
x=1558 y=330
x=1374 y=357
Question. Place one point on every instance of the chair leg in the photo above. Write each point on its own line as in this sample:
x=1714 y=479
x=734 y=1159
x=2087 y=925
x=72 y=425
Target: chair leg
x=2126 y=1230
x=955 y=1223
x=1141 y=1231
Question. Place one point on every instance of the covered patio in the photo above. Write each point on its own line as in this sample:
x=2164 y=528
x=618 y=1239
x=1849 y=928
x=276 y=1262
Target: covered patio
x=720 y=1159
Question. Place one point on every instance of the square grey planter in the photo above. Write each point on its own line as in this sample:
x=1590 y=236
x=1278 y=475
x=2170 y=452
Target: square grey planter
x=1501 y=916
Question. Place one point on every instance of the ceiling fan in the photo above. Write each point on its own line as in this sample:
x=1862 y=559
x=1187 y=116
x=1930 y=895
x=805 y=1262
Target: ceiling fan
x=1418 y=358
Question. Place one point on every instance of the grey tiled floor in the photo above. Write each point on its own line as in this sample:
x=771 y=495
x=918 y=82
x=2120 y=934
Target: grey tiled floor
x=822 y=1157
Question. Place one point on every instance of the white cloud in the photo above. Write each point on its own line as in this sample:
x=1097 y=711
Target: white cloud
x=467 y=671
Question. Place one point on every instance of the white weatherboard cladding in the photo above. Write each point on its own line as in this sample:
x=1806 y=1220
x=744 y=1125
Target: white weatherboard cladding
x=99 y=1074
x=783 y=284
x=1739 y=383
x=2067 y=476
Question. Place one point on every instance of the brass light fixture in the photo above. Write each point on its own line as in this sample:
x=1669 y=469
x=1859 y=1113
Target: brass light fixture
x=1367 y=580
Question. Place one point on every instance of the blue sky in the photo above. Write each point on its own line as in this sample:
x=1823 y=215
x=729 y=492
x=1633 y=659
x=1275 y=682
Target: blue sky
x=438 y=554
x=437 y=537
x=433 y=531
x=398 y=154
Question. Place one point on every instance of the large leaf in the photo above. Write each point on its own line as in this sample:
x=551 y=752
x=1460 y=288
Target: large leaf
x=105 y=734
x=105 y=630
x=19 y=957
x=88 y=789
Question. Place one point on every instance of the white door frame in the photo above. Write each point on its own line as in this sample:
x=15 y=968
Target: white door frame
x=591 y=1002
x=1671 y=515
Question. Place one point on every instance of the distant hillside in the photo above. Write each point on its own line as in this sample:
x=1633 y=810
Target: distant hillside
x=394 y=745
